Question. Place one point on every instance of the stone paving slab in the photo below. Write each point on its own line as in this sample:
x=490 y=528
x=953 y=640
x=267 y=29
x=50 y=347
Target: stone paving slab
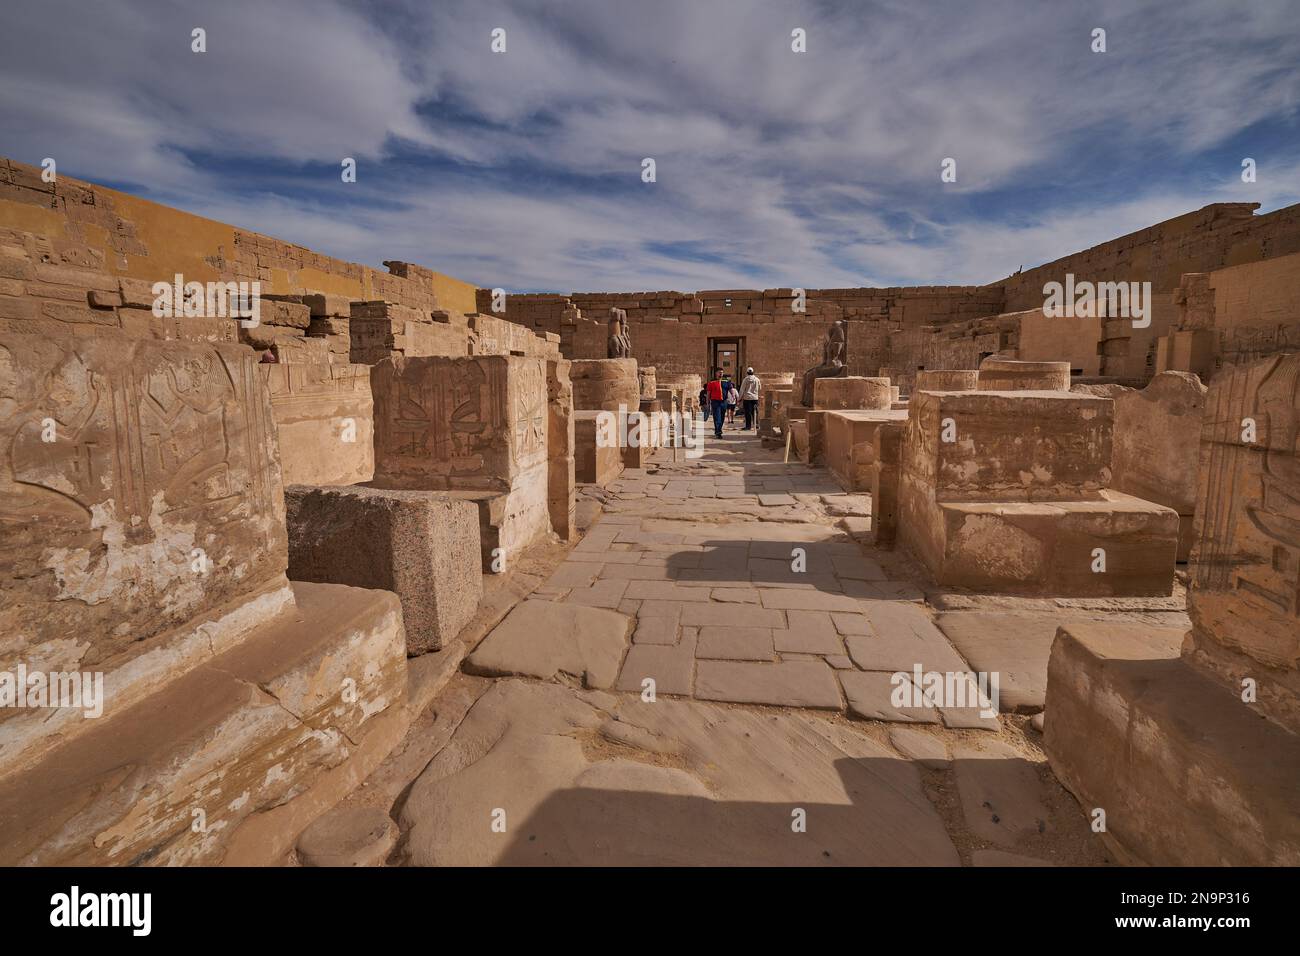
x=869 y=698
x=671 y=668
x=736 y=644
x=789 y=684
x=1016 y=646
x=809 y=632
x=730 y=615
x=542 y=639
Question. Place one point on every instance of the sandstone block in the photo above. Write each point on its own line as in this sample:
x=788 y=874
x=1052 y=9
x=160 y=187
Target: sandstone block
x=1009 y=446
x=1009 y=375
x=851 y=392
x=324 y=421
x=937 y=380
x=605 y=384
x=422 y=546
x=1187 y=773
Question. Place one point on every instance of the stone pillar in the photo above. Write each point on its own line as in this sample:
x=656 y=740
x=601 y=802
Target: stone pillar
x=1244 y=598
x=886 y=468
x=646 y=381
x=1009 y=375
x=561 y=475
x=605 y=384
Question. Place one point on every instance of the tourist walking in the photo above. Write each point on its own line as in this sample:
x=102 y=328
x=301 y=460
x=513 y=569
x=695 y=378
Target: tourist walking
x=717 y=401
x=749 y=386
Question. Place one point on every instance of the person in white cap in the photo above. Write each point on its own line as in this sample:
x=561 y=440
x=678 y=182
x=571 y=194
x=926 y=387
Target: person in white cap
x=749 y=396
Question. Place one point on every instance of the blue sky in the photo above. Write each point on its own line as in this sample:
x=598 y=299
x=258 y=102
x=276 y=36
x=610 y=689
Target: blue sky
x=523 y=169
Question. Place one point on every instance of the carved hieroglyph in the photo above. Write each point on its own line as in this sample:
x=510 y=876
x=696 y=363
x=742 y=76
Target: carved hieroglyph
x=139 y=486
x=459 y=423
x=1245 y=589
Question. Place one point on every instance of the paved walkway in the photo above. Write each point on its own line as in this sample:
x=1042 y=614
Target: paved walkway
x=705 y=680
x=745 y=589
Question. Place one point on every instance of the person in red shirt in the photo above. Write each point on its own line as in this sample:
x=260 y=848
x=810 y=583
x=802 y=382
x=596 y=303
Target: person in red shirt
x=717 y=401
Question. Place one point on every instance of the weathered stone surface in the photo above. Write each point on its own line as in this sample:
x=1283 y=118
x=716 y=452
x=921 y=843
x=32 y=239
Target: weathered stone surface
x=476 y=424
x=423 y=546
x=1017 y=500
x=598 y=459
x=1008 y=375
x=1010 y=446
x=849 y=391
x=870 y=697
x=736 y=644
x=671 y=667
x=561 y=474
x=605 y=384
x=351 y=836
x=155 y=508
x=808 y=632
x=1244 y=595
x=1051 y=547
x=849 y=444
x=1001 y=796
x=1015 y=646
x=942 y=380
x=926 y=749
x=1187 y=773
x=901 y=637
x=689 y=783
x=886 y=471
x=790 y=683
x=1156 y=445
x=324 y=421
x=544 y=639
x=241 y=732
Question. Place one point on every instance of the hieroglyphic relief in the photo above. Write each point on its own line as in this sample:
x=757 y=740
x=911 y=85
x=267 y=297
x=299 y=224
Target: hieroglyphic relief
x=1245 y=589
x=117 y=460
x=464 y=422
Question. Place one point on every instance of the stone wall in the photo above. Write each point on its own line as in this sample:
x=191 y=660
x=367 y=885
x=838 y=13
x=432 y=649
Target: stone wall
x=1233 y=316
x=671 y=330
x=1213 y=237
x=83 y=225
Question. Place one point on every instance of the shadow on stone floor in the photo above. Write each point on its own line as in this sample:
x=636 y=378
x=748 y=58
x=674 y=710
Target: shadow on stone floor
x=836 y=567
x=888 y=822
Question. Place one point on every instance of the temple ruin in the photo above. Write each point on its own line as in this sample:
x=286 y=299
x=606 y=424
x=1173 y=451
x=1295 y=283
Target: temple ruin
x=353 y=578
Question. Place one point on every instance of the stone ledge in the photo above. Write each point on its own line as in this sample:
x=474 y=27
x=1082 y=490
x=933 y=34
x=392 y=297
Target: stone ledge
x=1188 y=775
x=244 y=732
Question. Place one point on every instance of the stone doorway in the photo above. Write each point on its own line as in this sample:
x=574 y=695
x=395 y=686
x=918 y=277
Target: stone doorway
x=728 y=354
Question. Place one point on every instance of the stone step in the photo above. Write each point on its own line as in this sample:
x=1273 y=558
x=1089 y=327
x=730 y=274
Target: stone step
x=167 y=780
x=1187 y=773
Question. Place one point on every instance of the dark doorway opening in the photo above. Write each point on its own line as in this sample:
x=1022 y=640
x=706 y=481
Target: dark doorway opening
x=728 y=354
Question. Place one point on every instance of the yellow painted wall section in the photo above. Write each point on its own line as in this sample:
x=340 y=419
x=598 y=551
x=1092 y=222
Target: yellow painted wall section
x=196 y=247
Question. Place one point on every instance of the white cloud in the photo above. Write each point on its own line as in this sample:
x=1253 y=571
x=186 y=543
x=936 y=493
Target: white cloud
x=774 y=168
